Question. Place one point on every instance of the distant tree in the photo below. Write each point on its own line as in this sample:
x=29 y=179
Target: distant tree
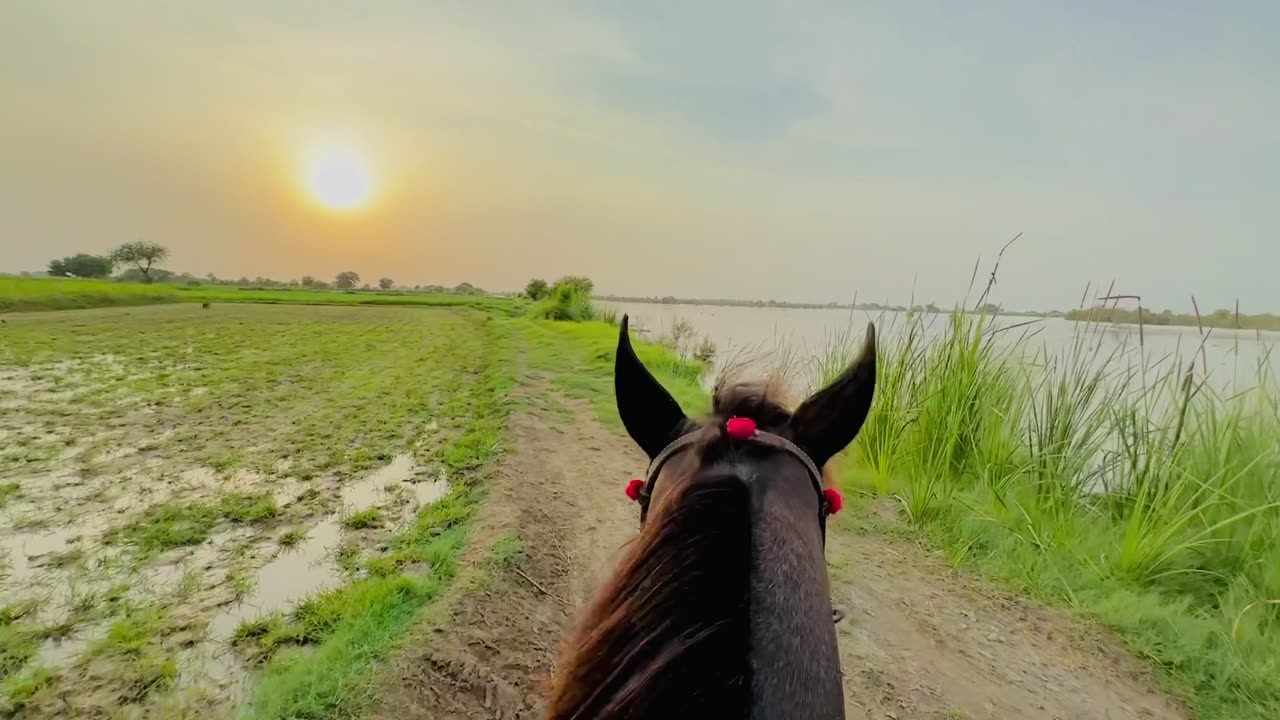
x=465 y=288
x=347 y=280
x=211 y=278
x=141 y=255
x=536 y=289
x=386 y=283
x=321 y=285
x=577 y=282
x=366 y=286
x=81 y=265
x=308 y=281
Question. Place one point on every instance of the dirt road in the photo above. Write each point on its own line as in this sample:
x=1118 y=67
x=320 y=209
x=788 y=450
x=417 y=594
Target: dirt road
x=919 y=640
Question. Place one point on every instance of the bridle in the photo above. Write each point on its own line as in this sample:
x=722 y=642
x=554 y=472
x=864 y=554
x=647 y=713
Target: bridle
x=745 y=430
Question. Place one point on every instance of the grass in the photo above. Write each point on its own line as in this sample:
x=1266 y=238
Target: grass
x=9 y=491
x=368 y=518
x=291 y=537
x=180 y=524
x=26 y=294
x=577 y=358
x=349 y=630
x=195 y=421
x=1138 y=497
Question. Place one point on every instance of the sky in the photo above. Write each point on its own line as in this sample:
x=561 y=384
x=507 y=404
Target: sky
x=806 y=151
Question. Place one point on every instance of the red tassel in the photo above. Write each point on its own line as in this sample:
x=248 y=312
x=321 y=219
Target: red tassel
x=834 y=500
x=633 y=489
x=740 y=428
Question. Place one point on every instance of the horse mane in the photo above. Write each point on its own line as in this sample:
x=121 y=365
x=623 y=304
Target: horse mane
x=668 y=635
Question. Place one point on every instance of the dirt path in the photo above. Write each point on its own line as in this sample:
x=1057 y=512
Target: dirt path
x=919 y=641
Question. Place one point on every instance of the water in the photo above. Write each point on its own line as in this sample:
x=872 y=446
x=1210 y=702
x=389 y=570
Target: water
x=766 y=336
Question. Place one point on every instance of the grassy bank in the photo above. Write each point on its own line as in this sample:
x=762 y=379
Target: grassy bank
x=33 y=294
x=1141 y=499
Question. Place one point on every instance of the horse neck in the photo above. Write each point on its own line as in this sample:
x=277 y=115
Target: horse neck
x=794 y=658
x=718 y=610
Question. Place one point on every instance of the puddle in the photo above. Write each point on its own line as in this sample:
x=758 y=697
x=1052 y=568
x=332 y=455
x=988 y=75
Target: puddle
x=167 y=576
x=55 y=653
x=430 y=491
x=26 y=549
x=372 y=490
x=293 y=575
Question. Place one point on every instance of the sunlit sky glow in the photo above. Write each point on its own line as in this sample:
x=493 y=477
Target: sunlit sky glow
x=803 y=151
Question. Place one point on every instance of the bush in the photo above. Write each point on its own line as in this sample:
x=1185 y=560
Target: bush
x=569 y=299
x=81 y=266
x=537 y=289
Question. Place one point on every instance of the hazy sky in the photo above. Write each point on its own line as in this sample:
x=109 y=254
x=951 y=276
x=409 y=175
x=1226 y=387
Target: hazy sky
x=734 y=149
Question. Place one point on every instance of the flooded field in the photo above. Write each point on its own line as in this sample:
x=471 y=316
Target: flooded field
x=185 y=493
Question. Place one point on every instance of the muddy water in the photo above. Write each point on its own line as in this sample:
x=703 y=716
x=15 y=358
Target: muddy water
x=298 y=572
x=294 y=574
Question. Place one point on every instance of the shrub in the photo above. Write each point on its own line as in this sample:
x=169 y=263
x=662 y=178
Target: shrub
x=537 y=289
x=569 y=299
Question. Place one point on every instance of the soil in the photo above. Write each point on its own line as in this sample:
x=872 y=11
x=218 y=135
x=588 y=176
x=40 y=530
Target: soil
x=919 y=640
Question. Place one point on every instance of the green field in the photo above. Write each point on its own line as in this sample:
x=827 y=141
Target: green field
x=19 y=294
x=184 y=449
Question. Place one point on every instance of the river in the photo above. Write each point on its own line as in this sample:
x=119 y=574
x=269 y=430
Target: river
x=764 y=335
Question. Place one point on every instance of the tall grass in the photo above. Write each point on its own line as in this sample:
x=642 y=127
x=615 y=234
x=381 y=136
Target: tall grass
x=1136 y=494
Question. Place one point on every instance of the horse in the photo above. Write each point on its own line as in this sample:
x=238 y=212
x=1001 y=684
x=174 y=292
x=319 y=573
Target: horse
x=720 y=607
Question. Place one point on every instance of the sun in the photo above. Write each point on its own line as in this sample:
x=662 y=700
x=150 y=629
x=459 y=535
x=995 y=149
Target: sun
x=336 y=178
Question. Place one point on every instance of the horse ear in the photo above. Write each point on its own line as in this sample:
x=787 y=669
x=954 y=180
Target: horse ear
x=652 y=417
x=831 y=418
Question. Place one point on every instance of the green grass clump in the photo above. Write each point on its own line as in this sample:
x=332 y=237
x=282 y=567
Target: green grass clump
x=246 y=508
x=1138 y=496
x=8 y=491
x=134 y=652
x=170 y=525
x=292 y=537
x=167 y=526
x=18 y=689
x=367 y=518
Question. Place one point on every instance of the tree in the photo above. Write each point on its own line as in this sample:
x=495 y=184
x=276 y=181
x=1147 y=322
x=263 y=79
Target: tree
x=578 y=283
x=347 y=280
x=308 y=281
x=536 y=289
x=386 y=283
x=141 y=255
x=81 y=265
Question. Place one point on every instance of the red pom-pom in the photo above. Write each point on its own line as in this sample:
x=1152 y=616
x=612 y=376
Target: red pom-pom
x=740 y=428
x=834 y=501
x=633 y=489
